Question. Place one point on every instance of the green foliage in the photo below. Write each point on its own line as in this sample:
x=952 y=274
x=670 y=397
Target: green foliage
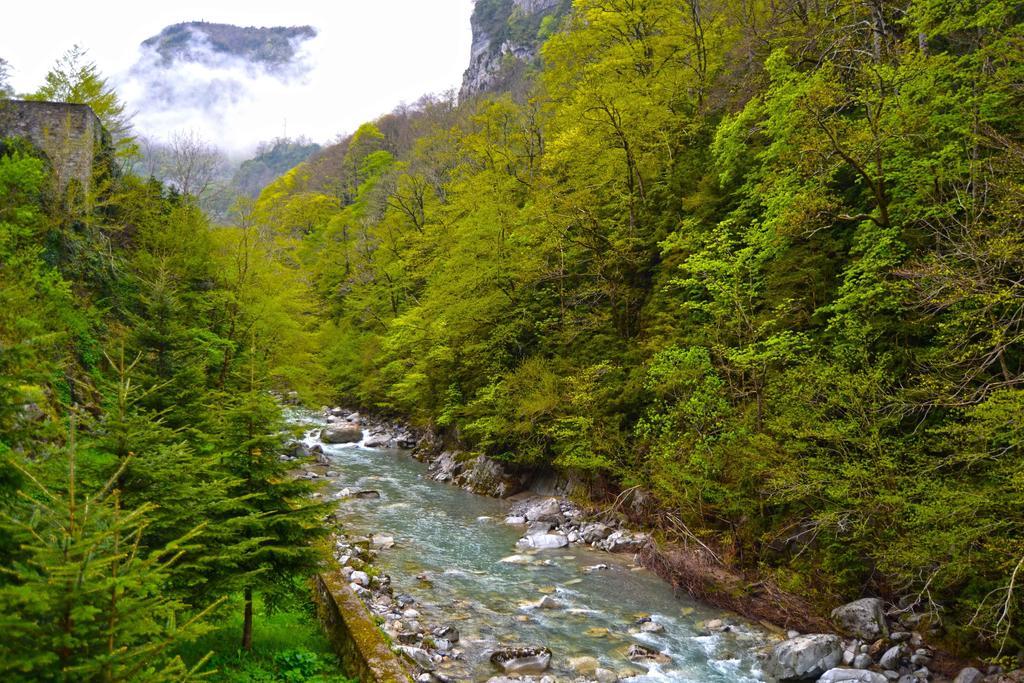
x=292 y=648
x=770 y=274
x=163 y=338
x=763 y=261
x=82 y=599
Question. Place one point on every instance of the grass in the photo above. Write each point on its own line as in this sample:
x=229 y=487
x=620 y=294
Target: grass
x=288 y=647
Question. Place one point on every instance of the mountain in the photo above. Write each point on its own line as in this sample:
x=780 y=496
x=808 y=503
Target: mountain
x=198 y=76
x=201 y=42
x=507 y=35
x=271 y=160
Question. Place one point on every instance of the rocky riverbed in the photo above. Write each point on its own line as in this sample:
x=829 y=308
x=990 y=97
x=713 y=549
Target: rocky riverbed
x=534 y=588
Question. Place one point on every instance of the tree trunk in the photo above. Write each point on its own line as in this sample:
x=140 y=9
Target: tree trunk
x=247 y=621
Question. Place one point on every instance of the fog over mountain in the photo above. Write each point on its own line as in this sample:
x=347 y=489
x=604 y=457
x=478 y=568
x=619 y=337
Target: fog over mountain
x=225 y=82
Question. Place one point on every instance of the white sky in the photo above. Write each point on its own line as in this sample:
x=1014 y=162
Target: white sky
x=370 y=56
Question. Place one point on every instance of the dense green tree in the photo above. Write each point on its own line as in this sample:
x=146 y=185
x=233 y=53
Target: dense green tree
x=82 y=598
x=280 y=519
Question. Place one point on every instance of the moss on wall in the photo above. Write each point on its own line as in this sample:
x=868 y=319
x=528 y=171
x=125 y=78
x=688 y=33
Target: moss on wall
x=363 y=649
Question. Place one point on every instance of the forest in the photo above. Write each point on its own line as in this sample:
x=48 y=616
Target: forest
x=764 y=260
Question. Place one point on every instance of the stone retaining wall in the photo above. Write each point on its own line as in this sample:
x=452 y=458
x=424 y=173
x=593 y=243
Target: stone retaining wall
x=365 y=653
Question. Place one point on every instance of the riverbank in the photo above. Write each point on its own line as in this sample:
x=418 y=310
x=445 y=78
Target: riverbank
x=689 y=564
x=426 y=556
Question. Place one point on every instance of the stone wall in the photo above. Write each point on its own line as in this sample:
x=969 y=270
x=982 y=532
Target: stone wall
x=69 y=135
x=365 y=653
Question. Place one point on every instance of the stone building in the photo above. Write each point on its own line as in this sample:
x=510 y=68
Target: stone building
x=69 y=135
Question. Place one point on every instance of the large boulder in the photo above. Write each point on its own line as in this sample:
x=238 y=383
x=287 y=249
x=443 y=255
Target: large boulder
x=297 y=450
x=852 y=676
x=522 y=660
x=804 y=658
x=592 y=533
x=341 y=433
x=864 y=619
x=379 y=439
x=625 y=542
x=544 y=510
x=969 y=675
x=543 y=541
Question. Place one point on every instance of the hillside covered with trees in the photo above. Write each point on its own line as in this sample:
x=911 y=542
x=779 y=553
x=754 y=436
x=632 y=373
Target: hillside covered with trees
x=762 y=260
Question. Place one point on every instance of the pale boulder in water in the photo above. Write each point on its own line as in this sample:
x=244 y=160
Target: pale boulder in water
x=544 y=541
x=341 y=433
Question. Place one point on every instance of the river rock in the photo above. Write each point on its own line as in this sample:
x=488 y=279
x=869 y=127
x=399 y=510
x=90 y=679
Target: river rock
x=594 y=533
x=383 y=542
x=360 y=578
x=544 y=510
x=891 y=658
x=583 y=665
x=862 y=661
x=341 y=433
x=366 y=495
x=625 y=542
x=804 y=657
x=852 y=676
x=639 y=653
x=548 y=602
x=448 y=632
x=377 y=440
x=297 y=450
x=863 y=619
x=605 y=676
x=969 y=675
x=651 y=627
x=522 y=660
x=544 y=541
x=515 y=520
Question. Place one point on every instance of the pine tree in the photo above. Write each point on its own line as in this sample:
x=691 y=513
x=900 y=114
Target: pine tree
x=281 y=520
x=82 y=599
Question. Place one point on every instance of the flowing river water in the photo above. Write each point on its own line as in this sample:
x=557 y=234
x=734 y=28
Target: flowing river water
x=452 y=555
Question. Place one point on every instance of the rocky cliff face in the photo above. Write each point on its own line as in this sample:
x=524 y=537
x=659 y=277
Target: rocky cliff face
x=507 y=35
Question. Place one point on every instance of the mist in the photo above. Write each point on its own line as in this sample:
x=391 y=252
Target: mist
x=367 y=58
x=324 y=92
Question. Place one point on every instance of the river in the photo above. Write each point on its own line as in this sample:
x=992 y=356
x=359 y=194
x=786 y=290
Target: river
x=449 y=552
